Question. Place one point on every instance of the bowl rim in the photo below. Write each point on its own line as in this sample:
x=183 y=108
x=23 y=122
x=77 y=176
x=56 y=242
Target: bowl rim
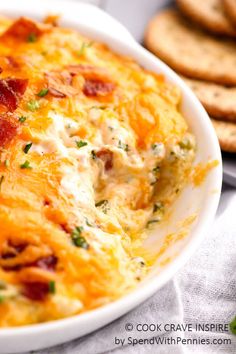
x=139 y=294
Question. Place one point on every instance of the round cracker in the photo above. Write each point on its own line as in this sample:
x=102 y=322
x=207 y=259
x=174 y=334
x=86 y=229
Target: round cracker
x=189 y=50
x=230 y=9
x=226 y=133
x=210 y=14
x=219 y=101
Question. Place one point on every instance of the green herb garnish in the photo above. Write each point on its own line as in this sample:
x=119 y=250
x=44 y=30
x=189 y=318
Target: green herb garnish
x=156 y=169
x=33 y=105
x=83 y=47
x=232 y=326
x=22 y=119
x=88 y=223
x=7 y=163
x=78 y=239
x=101 y=203
x=158 y=207
x=27 y=148
x=2 y=298
x=43 y=92
x=157 y=148
x=123 y=146
x=52 y=287
x=32 y=38
x=150 y=222
x=1 y=181
x=93 y=155
x=81 y=143
x=185 y=144
x=25 y=165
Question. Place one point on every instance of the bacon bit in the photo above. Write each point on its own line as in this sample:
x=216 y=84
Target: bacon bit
x=11 y=91
x=98 y=88
x=84 y=69
x=47 y=263
x=7 y=62
x=13 y=250
x=90 y=72
x=36 y=291
x=11 y=61
x=59 y=84
x=52 y=20
x=107 y=157
x=23 y=28
x=8 y=129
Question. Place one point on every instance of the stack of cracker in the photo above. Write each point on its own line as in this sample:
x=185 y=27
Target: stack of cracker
x=198 y=40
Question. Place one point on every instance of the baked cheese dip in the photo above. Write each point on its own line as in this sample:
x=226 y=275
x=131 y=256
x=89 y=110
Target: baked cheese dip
x=94 y=150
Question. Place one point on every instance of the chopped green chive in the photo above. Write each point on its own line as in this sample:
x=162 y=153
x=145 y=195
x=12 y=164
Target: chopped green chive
x=7 y=163
x=33 y=105
x=157 y=148
x=156 y=169
x=101 y=203
x=232 y=326
x=78 y=239
x=185 y=144
x=22 y=119
x=2 y=298
x=93 y=155
x=83 y=47
x=1 y=181
x=123 y=146
x=32 y=38
x=88 y=223
x=52 y=287
x=81 y=143
x=25 y=165
x=27 y=148
x=149 y=223
x=43 y=92
x=158 y=207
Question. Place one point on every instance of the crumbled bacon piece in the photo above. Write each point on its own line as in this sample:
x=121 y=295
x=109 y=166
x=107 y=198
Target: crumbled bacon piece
x=8 y=129
x=12 y=61
x=47 y=263
x=52 y=20
x=24 y=27
x=59 y=84
x=97 y=88
x=90 y=72
x=107 y=157
x=11 y=91
x=36 y=291
x=85 y=69
x=9 y=62
x=13 y=250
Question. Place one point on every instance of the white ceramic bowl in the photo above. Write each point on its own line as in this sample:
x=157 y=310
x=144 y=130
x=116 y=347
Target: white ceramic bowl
x=202 y=200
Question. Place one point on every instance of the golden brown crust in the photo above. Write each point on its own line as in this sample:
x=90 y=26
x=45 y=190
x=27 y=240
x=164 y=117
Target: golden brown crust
x=189 y=50
x=226 y=133
x=230 y=9
x=209 y=14
x=219 y=101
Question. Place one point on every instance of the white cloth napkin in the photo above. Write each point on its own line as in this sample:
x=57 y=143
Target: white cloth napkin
x=204 y=291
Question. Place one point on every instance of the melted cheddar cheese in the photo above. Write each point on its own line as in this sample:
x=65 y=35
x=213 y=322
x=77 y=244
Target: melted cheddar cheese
x=93 y=151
